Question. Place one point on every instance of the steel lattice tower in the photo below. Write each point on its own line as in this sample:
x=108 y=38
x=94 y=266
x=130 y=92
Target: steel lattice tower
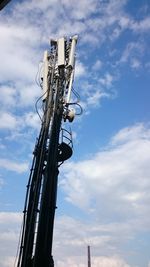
x=53 y=146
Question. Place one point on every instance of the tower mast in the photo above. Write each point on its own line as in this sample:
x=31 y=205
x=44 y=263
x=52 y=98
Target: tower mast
x=53 y=147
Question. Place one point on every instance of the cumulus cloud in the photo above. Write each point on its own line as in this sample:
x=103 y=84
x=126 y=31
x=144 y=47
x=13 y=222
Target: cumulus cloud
x=107 y=80
x=121 y=177
x=94 y=89
x=73 y=234
x=80 y=69
x=139 y=131
x=97 y=65
x=7 y=261
x=16 y=53
x=141 y=26
x=17 y=124
x=69 y=232
x=13 y=165
x=28 y=94
x=6 y=217
x=96 y=262
x=10 y=224
x=94 y=100
x=111 y=189
x=135 y=63
x=133 y=50
x=110 y=261
x=8 y=96
x=8 y=121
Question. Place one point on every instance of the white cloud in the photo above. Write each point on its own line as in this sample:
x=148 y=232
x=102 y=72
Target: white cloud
x=124 y=22
x=13 y=165
x=133 y=49
x=95 y=262
x=138 y=132
x=135 y=63
x=7 y=217
x=7 y=261
x=8 y=121
x=94 y=89
x=141 y=26
x=97 y=66
x=31 y=119
x=17 y=124
x=71 y=19
x=10 y=225
x=80 y=69
x=71 y=236
x=121 y=177
x=111 y=188
x=94 y=100
x=80 y=12
x=107 y=80
x=109 y=262
x=74 y=235
x=28 y=94
x=8 y=96
x=17 y=54
x=116 y=33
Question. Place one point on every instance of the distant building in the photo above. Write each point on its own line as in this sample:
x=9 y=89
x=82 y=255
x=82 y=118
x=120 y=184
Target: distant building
x=3 y=3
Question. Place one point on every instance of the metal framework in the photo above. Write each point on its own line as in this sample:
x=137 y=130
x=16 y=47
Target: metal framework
x=54 y=145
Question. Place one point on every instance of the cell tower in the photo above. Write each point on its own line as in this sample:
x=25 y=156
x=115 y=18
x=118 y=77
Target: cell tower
x=53 y=147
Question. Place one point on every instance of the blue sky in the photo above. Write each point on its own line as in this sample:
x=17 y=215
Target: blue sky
x=103 y=191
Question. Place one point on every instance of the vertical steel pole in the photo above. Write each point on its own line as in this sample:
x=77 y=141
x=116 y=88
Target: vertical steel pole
x=89 y=256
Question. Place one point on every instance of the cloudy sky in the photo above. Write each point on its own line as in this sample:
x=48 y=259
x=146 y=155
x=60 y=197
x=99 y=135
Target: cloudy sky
x=104 y=189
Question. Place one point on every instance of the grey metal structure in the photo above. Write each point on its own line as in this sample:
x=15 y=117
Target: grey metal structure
x=54 y=145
